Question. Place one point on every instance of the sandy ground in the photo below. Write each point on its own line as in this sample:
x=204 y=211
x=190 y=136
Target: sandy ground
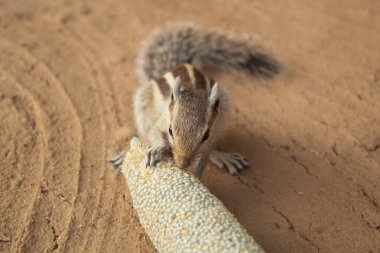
x=312 y=135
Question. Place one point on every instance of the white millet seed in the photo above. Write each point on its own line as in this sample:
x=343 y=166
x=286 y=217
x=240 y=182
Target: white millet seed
x=178 y=213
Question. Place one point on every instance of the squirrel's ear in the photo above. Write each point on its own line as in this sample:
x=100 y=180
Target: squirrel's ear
x=213 y=98
x=177 y=88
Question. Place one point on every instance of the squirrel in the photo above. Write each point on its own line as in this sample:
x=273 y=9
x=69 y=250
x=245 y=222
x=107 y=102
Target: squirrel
x=178 y=109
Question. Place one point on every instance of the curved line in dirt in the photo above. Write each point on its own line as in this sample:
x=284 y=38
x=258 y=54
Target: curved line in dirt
x=90 y=58
x=64 y=238
x=39 y=122
x=65 y=97
x=91 y=50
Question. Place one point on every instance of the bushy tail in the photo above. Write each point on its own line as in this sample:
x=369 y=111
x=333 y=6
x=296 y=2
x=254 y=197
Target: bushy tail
x=174 y=45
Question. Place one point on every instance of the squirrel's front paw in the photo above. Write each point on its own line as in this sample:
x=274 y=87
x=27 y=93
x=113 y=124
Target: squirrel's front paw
x=232 y=162
x=154 y=156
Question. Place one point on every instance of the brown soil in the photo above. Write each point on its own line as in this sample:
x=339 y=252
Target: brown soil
x=312 y=135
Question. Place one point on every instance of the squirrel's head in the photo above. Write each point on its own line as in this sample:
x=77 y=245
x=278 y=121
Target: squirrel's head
x=193 y=116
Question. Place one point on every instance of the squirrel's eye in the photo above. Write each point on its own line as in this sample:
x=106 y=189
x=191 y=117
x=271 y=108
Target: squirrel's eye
x=170 y=131
x=205 y=137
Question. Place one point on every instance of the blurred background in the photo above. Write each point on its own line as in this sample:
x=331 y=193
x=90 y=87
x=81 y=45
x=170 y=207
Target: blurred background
x=312 y=134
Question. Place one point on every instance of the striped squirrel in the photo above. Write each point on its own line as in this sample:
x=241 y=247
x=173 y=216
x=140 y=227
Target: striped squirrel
x=178 y=109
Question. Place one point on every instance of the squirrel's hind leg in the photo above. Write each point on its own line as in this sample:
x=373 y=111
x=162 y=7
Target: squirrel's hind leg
x=118 y=160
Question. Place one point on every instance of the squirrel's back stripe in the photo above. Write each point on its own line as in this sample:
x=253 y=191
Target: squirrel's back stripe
x=183 y=74
x=190 y=70
x=169 y=77
x=200 y=80
x=164 y=86
x=190 y=77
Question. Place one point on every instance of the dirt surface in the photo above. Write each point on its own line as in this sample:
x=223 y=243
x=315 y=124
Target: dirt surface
x=312 y=135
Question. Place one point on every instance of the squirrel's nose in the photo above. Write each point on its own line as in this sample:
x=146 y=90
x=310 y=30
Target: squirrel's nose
x=182 y=162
